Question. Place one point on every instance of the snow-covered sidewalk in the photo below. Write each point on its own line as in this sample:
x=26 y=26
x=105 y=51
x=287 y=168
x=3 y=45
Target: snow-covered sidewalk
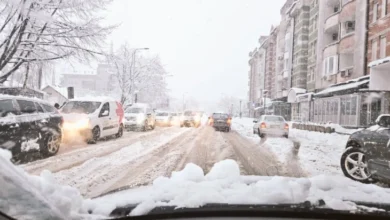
x=319 y=153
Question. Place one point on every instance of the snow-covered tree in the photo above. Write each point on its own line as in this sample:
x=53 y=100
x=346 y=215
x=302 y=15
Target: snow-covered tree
x=138 y=74
x=44 y=30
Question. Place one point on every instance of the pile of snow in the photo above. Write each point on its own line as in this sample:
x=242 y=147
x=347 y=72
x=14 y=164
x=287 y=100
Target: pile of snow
x=24 y=196
x=319 y=153
x=223 y=184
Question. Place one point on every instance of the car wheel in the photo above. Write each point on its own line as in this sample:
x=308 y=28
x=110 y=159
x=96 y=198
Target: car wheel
x=95 y=135
x=227 y=129
x=286 y=135
x=354 y=165
x=120 y=132
x=258 y=133
x=51 y=145
x=145 y=127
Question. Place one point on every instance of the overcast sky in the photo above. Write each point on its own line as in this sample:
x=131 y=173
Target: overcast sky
x=203 y=43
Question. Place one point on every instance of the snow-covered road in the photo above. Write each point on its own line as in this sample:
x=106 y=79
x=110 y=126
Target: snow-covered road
x=140 y=157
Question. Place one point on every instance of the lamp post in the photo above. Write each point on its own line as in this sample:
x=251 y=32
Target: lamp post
x=240 y=109
x=133 y=70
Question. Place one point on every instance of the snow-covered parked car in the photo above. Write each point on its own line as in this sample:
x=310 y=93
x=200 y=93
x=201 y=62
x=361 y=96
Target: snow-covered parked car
x=367 y=154
x=139 y=116
x=29 y=125
x=271 y=125
x=92 y=119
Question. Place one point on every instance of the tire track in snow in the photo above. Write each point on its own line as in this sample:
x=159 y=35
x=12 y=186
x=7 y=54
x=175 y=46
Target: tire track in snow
x=98 y=174
x=74 y=158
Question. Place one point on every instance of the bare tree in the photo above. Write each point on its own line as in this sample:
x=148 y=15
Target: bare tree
x=45 y=30
x=135 y=73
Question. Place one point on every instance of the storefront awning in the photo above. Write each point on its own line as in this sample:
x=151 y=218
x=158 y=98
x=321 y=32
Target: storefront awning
x=349 y=86
x=292 y=94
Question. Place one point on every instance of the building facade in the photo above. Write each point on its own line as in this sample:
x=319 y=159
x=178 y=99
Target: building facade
x=270 y=64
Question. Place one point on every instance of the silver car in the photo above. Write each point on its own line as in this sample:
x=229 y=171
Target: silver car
x=271 y=125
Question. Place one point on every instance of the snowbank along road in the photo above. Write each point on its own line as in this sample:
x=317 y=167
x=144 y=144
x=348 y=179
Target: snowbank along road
x=138 y=158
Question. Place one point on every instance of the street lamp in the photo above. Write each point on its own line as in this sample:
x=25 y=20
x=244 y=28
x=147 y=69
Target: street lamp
x=133 y=69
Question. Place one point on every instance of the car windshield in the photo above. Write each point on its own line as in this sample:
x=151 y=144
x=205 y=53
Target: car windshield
x=220 y=116
x=273 y=119
x=135 y=110
x=117 y=108
x=162 y=114
x=84 y=107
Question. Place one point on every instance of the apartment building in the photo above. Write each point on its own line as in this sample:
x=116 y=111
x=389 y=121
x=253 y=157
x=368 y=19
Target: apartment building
x=378 y=56
x=270 y=64
x=312 y=47
x=257 y=74
x=284 y=53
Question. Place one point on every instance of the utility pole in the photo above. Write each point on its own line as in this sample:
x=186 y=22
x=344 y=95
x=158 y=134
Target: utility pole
x=240 y=109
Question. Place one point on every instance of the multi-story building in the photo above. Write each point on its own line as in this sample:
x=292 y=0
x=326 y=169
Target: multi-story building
x=270 y=64
x=300 y=14
x=257 y=74
x=378 y=56
x=312 y=47
x=284 y=53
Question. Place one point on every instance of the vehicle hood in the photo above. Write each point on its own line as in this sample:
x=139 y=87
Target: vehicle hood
x=74 y=117
x=191 y=188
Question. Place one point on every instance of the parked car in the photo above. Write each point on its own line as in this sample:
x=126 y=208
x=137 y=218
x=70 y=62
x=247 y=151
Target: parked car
x=220 y=121
x=92 y=120
x=191 y=118
x=271 y=125
x=29 y=125
x=367 y=156
x=140 y=117
x=163 y=118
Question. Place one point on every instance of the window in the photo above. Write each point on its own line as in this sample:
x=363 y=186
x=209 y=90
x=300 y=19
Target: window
x=39 y=108
x=330 y=65
x=384 y=8
x=375 y=12
x=349 y=26
x=335 y=36
x=26 y=107
x=105 y=107
x=336 y=9
x=374 y=49
x=382 y=47
x=49 y=108
x=7 y=108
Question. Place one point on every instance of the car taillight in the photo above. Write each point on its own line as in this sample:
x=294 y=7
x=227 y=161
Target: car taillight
x=263 y=125
x=229 y=121
x=286 y=126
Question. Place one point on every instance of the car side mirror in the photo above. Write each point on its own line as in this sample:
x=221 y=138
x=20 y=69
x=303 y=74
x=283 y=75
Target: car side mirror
x=255 y=121
x=105 y=113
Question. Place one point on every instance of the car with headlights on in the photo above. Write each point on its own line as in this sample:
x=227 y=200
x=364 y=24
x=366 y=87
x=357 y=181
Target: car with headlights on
x=367 y=156
x=191 y=118
x=163 y=118
x=140 y=117
x=274 y=125
x=90 y=120
x=175 y=120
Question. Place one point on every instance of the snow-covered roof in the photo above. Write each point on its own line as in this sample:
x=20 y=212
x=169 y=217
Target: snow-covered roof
x=61 y=90
x=298 y=90
x=351 y=84
x=379 y=62
x=94 y=99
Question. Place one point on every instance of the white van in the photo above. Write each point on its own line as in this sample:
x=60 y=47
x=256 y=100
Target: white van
x=92 y=119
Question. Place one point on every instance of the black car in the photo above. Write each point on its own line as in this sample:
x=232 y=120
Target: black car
x=367 y=154
x=220 y=121
x=29 y=125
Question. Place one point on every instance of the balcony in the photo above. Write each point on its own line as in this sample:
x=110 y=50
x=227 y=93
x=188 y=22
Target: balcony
x=331 y=50
x=348 y=11
x=332 y=21
x=347 y=43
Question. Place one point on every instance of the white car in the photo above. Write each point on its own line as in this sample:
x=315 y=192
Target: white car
x=163 y=118
x=91 y=120
x=140 y=116
x=271 y=125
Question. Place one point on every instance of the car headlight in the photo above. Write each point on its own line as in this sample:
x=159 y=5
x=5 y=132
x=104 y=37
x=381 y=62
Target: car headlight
x=140 y=118
x=83 y=123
